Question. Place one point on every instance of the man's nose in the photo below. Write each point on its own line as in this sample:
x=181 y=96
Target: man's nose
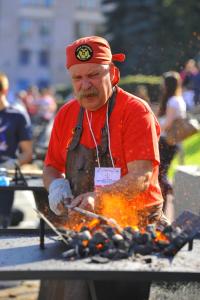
x=86 y=84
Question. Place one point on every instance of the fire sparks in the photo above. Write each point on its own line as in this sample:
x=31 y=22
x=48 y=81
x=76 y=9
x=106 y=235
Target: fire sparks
x=160 y=236
x=123 y=211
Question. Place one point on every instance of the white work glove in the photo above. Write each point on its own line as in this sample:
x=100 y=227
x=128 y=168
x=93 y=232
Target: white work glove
x=59 y=190
x=10 y=163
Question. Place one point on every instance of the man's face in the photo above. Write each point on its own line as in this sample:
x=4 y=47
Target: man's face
x=92 y=84
x=4 y=85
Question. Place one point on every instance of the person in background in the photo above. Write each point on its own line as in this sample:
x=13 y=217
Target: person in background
x=172 y=106
x=142 y=92
x=46 y=106
x=103 y=126
x=188 y=93
x=190 y=69
x=30 y=101
x=196 y=86
x=15 y=145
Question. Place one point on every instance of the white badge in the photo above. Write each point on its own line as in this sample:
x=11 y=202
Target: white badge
x=105 y=176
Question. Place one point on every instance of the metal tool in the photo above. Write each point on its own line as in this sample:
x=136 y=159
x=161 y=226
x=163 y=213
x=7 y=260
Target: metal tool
x=90 y=214
x=51 y=225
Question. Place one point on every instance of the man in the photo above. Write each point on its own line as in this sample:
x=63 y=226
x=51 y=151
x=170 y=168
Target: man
x=104 y=126
x=15 y=136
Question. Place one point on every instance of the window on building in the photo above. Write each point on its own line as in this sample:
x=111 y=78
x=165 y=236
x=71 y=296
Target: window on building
x=86 y=4
x=43 y=83
x=25 y=27
x=24 y=57
x=23 y=84
x=48 y=2
x=44 y=28
x=44 y=58
x=37 y=2
x=83 y=28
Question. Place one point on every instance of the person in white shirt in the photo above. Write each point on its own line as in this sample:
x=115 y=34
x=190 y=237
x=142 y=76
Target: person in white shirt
x=172 y=106
x=188 y=93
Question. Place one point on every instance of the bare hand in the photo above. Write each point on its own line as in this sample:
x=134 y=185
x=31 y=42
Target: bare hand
x=85 y=201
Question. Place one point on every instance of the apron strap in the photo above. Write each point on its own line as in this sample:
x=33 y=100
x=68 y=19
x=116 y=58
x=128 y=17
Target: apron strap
x=104 y=131
x=77 y=130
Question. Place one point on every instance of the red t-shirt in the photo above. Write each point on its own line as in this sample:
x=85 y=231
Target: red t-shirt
x=134 y=133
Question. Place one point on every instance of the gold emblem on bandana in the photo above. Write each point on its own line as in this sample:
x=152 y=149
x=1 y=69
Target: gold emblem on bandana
x=84 y=52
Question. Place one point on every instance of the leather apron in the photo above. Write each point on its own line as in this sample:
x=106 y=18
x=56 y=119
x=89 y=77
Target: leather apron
x=81 y=161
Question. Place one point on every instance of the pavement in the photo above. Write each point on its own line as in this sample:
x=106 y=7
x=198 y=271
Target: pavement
x=24 y=200
x=22 y=290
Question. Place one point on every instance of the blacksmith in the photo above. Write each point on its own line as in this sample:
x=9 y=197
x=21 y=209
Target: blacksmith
x=104 y=143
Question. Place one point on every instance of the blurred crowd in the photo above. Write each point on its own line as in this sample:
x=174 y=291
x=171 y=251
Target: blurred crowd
x=190 y=87
x=40 y=106
x=179 y=97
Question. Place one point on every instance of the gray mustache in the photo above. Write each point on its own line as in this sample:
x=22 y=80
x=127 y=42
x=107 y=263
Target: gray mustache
x=83 y=94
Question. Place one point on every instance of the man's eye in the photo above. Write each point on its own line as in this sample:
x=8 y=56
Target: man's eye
x=93 y=75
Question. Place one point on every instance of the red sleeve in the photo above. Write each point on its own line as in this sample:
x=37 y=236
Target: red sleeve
x=54 y=155
x=141 y=132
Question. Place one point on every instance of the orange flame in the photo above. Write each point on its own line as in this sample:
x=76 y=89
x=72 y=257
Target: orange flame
x=85 y=243
x=160 y=236
x=118 y=208
x=93 y=223
x=111 y=206
x=99 y=246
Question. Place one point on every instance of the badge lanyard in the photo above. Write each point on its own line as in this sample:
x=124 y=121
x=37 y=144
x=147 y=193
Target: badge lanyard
x=92 y=133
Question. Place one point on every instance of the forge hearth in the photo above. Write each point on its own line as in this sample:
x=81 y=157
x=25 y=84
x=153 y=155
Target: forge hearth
x=108 y=243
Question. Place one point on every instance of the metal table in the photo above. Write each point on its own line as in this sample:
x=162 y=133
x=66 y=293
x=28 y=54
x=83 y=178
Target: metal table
x=22 y=258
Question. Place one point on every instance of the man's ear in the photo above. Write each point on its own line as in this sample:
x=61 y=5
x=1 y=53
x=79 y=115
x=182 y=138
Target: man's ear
x=112 y=72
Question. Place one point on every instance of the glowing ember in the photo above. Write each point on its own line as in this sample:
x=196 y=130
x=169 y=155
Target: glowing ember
x=123 y=211
x=160 y=236
x=99 y=246
x=85 y=243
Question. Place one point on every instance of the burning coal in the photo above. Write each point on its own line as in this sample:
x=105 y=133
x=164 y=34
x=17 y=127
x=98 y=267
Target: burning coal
x=106 y=242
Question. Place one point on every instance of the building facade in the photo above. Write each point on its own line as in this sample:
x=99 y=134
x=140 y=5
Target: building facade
x=34 y=35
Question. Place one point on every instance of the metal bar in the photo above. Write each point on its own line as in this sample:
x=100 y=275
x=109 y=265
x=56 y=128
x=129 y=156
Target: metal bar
x=121 y=275
x=190 y=245
x=14 y=187
x=90 y=214
x=51 y=225
x=19 y=231
x=42 y=233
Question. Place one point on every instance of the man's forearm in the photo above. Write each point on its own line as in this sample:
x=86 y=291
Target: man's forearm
x=128 y=186
x=49 y=174
x=26 y=152
x=24 y=158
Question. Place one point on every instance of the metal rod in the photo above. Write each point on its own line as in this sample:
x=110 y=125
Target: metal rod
x=190 y=245
x=51 y=225
x=90 y=214
x=42 y=233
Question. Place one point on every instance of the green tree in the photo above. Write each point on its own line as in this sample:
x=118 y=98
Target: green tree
x=156 y=35
x=178 y=34
x=131 y=29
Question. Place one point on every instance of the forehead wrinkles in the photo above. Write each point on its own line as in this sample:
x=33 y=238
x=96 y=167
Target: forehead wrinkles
x=88 y=69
